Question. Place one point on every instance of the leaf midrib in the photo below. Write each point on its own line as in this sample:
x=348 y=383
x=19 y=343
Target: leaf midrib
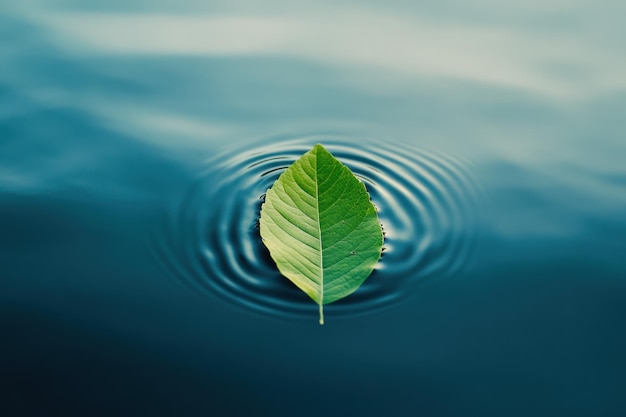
x=319 y=231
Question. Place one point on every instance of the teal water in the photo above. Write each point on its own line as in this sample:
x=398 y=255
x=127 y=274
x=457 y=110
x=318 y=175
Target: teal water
x=137 y=140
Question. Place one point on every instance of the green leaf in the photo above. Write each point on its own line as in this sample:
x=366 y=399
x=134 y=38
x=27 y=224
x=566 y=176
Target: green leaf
x=321 y=228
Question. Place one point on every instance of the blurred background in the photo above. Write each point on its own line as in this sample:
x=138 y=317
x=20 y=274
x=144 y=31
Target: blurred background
x=112 y=114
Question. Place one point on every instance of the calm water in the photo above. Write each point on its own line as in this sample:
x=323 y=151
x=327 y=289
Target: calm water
x=136 y=142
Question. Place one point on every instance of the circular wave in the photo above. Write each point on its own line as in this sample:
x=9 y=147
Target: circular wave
x=425 y=201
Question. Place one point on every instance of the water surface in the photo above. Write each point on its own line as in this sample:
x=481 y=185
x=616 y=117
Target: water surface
x=137 y=140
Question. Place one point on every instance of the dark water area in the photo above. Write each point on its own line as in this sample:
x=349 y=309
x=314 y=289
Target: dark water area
x=137 y=140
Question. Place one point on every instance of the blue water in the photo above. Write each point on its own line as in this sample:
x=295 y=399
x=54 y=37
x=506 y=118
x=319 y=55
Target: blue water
x=137 y=140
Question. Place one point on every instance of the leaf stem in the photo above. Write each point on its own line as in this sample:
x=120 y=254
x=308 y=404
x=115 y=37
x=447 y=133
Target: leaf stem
x=321 y=313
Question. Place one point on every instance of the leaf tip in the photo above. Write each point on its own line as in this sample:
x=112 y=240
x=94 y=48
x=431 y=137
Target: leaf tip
x=319 y=148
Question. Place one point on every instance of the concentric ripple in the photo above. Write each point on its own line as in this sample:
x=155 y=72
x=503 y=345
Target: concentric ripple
x=426 y=203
